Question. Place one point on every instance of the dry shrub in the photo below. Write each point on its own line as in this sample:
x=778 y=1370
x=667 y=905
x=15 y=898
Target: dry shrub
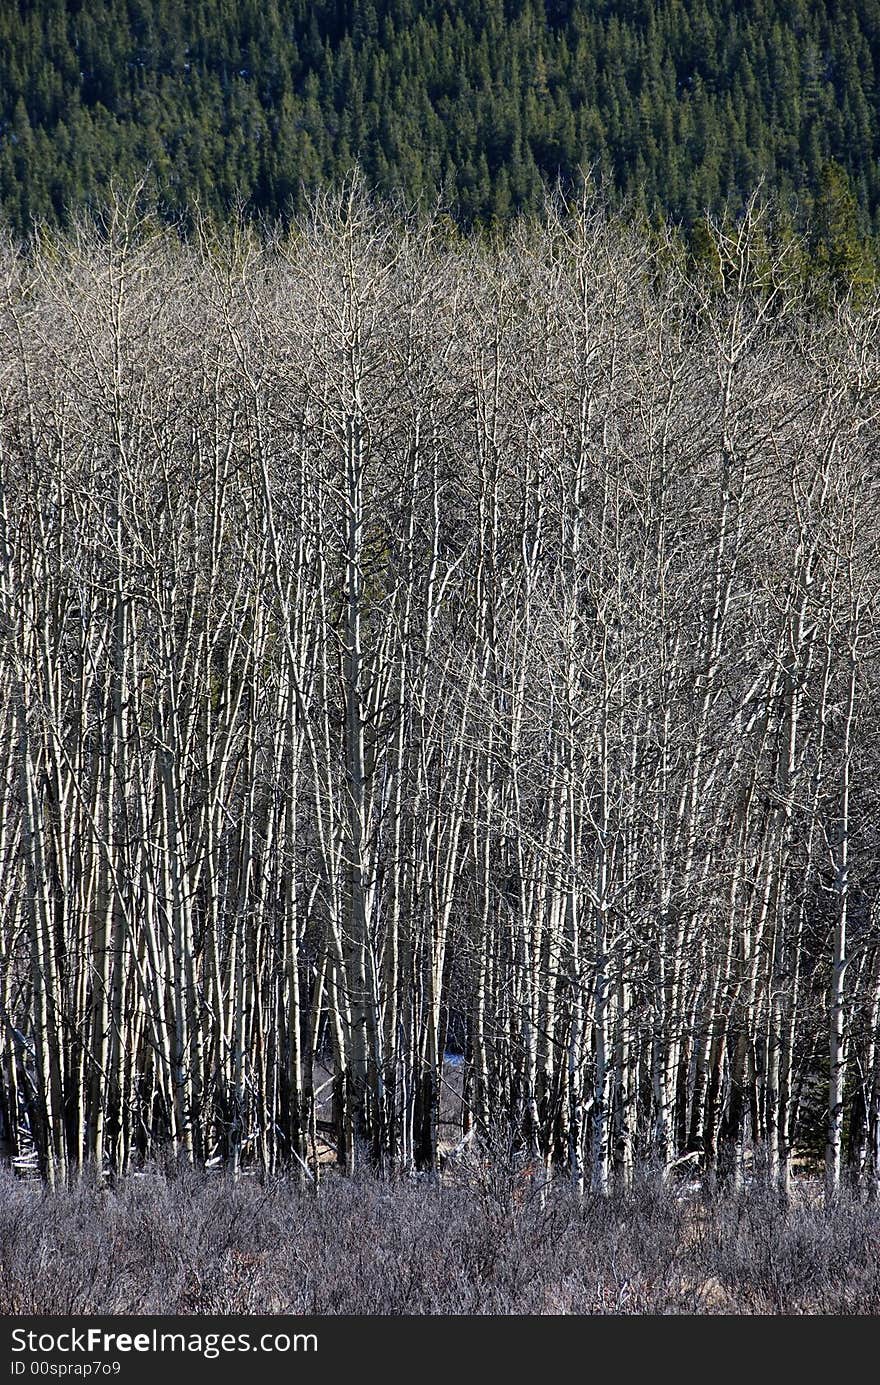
x=474 y=1244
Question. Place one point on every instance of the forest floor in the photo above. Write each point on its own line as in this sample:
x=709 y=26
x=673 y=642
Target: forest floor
x=481 y=1243
x=487 y=1238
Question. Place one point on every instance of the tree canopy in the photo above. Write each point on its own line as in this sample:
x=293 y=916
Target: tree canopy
x=676 y=107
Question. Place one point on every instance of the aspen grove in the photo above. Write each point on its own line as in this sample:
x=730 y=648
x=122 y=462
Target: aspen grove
x=413 y=645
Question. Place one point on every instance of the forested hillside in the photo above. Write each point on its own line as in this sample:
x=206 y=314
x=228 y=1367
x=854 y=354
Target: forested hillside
x=413 y=647
x=677 y=106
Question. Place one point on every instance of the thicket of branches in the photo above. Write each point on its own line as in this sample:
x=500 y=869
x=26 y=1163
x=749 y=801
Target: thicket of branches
x=413 y=645
x=197 y=1244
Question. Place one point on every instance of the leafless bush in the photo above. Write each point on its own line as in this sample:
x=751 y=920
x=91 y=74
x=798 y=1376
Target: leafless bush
x=201 y=1244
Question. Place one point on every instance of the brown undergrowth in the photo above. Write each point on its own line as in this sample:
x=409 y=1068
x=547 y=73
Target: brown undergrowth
x=484 y=1242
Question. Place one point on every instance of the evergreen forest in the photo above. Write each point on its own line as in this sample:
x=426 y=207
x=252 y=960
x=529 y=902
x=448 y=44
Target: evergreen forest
x=676 y=108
